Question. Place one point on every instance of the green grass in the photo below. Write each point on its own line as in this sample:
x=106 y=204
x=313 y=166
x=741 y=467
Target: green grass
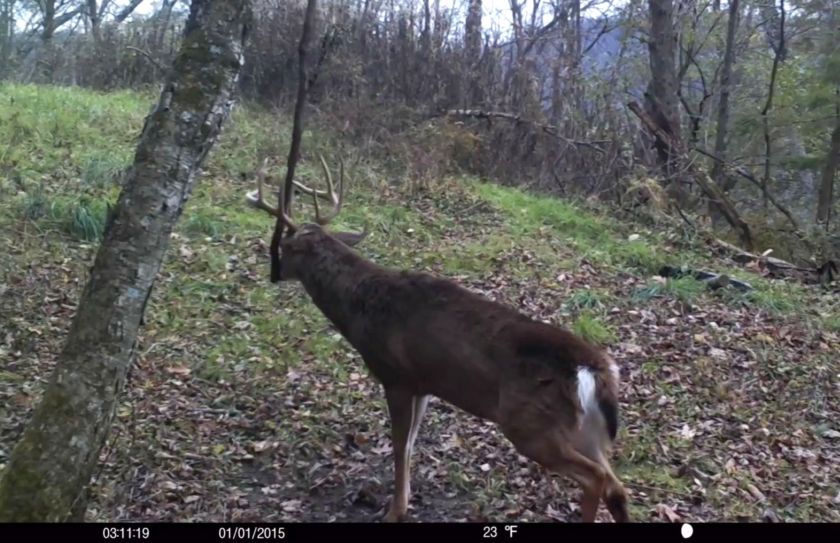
x=59 y=132
x=214 y=312
x=204 y=222
x=585 y=299
x=101 y=170
x=684 y=289
x=592 y=329
x=527 y=213
x=63 y=151
x=82 y=218
x=566 y=227
x=832 y=323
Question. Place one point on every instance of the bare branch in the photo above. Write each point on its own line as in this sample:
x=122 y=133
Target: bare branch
x=148 y=56
x=751 y=178
x=548 y=129
x=123 y=14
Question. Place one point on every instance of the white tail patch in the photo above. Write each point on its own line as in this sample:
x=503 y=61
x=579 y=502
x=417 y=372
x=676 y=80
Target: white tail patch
x=586 y=388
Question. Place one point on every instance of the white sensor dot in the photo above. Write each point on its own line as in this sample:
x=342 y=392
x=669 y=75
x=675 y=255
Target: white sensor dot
x=686 y=530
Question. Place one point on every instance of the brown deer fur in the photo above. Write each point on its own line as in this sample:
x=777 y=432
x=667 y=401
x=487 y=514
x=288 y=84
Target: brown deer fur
x=423 y=336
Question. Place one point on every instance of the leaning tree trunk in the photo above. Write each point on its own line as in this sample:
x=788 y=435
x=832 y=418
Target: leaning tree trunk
x=50 y=468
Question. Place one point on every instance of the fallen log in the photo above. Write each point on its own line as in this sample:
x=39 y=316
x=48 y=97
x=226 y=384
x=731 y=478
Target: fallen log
x=771 y=263
x=776 y=267
x=714 y=281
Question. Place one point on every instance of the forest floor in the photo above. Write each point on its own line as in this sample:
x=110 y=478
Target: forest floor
x=244 y=404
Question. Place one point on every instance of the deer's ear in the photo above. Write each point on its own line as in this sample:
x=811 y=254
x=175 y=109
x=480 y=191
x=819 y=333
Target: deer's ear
x=349 y=238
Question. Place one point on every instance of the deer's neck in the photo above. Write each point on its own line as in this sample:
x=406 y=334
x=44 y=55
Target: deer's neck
x=331 y=281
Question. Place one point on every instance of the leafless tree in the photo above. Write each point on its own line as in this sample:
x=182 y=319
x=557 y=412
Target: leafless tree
x=718 y=172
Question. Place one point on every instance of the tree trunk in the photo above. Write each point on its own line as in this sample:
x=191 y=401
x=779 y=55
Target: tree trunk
x=39 y=66
x=93 y=13
x=50 y=468
x=43 y=56
x=472 y=53
x=662 y=98
x=776 y=38
x=7 y=33
x=421 y=89
x=163 y=18
x=718 y=171
x=826 y=196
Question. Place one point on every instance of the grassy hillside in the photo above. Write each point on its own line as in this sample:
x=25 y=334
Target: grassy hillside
x=245 y=404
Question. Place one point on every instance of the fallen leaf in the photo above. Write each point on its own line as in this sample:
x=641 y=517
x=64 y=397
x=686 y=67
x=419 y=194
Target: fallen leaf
x=756 y=493
x=667 y=512
x=260 y=446
x=719 y=354
x=687 y=433
x=291 y=505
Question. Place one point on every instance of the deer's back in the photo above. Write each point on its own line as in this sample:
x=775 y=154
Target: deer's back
x=435 y=337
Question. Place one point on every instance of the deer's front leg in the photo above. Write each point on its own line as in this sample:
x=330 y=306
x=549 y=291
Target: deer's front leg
x=401 y=409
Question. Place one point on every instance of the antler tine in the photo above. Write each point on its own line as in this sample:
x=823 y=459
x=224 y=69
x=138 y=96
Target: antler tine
x=255 y=199
x=336 y=199
x=310 y=191
x=330 y=194
x=324 y=194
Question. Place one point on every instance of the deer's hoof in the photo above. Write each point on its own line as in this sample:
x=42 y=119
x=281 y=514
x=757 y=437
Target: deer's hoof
x=395 y=516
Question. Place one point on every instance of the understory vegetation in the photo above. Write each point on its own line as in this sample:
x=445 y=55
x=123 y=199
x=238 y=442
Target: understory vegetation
x=245 y=404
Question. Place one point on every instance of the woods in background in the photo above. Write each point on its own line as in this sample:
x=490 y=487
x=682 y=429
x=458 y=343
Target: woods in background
x=740 y=99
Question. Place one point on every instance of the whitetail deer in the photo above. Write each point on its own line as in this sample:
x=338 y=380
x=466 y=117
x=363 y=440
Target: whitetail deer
x=552 y=394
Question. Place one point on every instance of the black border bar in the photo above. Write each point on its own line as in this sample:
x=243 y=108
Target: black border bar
x=405 y=533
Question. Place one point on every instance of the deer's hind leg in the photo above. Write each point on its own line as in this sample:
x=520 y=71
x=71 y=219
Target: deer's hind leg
x=555 y=453
x=590 y=441
x=615 y=496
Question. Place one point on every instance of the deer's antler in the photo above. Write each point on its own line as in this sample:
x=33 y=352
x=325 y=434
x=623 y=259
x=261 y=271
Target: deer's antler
x=335 y=198
x=255 y=199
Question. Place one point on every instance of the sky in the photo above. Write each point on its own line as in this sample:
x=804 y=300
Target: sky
x=496 y=13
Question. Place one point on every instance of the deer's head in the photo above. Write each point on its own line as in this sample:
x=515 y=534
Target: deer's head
x=298 y=245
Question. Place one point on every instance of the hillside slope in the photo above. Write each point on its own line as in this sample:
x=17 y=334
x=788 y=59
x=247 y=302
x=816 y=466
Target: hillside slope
x=245 y=404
